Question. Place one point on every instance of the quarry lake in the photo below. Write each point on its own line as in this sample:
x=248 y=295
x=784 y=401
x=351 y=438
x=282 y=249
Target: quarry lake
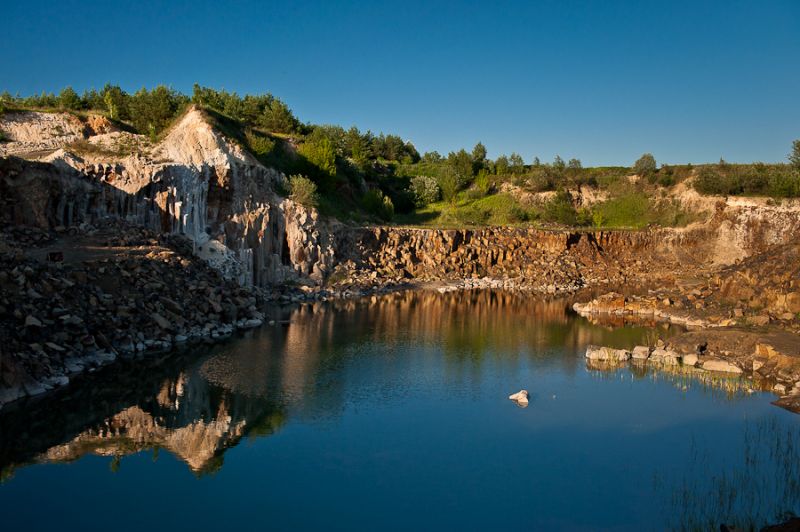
x=392 y=412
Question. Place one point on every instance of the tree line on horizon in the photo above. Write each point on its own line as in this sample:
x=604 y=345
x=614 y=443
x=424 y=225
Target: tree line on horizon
x=384 y=173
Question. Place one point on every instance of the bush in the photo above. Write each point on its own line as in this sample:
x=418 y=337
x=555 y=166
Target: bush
x=645 y=165
x=303 y=191
x=636 y=210
x=259 y=145
x=709 y=181
x=425 y=189
x=449 y=183
x=774 y=180
x=540 y=180
x=786 y=185
x=560 y=210
x=376 y=203
x=482 y=183
x=320 y=152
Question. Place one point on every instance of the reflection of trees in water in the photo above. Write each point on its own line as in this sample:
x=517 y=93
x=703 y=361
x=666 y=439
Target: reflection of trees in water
x=466 y=324
x=761 y=487
x=198 y=407
x=684 y=378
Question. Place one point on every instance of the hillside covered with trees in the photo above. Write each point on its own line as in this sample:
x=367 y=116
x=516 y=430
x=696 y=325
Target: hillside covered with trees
x=361 y=176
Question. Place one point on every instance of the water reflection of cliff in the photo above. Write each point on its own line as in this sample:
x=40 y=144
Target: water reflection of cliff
x=201 y=403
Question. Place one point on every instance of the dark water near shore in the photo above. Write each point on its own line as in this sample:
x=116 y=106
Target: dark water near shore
x=392 y=413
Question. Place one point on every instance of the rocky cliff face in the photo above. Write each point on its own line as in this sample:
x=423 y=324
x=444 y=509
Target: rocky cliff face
x=194 y=182
x=552 y=261
x=197 y=183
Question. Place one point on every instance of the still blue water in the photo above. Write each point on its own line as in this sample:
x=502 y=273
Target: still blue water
x=392 y=413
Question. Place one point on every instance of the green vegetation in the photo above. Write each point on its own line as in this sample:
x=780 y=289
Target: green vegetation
x=303 y=191
x=645 y=165
x=758 y=179
x=794 y=156
x=630 y=207
x=425 y=189
x=360 y=176
x=378 y=204
x=636 y=210
x=147 y=111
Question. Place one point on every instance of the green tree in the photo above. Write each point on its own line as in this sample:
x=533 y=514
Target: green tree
x=558 y=163
x=432 y=157
x=536 y=162
x=501 y=165
x=319 y=151
x=645 y=165
x=69 y=99
x=461 y=163
x=152 y=111
x=390 y=147
x=115 y=101
x=479 y=156
x=357 y=146
x=91 y=99
x=449 y=184
x=574 y=164
x=794 y=156
x=277 y=117
x=516 y=163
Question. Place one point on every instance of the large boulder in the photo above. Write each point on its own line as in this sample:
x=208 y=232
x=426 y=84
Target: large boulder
x=607 y=354
x=715 y=364
x=666 y=357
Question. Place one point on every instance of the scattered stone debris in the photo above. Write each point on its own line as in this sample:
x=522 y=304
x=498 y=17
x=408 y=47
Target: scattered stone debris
x=58 y=319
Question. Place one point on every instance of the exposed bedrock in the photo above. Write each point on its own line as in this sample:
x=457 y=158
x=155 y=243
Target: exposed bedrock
x=195 y=183
x=547 y=260
x=198 y=183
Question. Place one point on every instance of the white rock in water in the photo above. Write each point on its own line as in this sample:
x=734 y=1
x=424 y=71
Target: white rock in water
x=665 y=356
x=641 y=352
x=521 y=397
x=690 y=359
x=609 y=354
x=721 y=365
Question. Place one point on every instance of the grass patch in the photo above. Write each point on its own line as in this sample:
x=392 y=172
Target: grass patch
x=496 y=209
x=636 y=211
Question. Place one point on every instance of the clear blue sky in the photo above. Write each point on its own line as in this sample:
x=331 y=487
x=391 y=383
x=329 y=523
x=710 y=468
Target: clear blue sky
x=603 y=81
